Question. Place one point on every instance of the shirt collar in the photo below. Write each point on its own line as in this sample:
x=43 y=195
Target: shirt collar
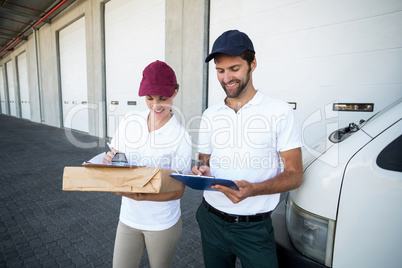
x=168 y=128
x=253 y=102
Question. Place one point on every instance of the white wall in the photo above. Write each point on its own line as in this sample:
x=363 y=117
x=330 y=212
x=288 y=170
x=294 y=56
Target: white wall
x=181 y=44
x=312 y=52
x=318 y=52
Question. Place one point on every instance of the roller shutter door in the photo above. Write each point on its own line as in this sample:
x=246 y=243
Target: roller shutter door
x=2 y=93
x=73 y=68
x=23 y=86
x=11 y=88
x=134 y=37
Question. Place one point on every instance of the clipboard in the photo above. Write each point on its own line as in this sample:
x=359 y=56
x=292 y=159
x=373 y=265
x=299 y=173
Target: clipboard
x=96 y=161
x=203 y=182
x=116 y=165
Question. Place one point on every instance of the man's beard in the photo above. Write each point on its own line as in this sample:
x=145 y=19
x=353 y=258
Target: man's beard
x=240 y=88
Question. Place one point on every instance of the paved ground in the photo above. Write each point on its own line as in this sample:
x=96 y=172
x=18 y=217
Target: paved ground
x=42 y=226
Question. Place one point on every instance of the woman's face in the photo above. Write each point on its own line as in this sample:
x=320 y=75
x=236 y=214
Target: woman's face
x=160 y=106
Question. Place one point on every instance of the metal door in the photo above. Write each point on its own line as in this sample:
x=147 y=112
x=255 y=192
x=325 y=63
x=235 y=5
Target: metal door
x=73 y=73
x=2 y=93
x=11 y=88
x=132 y=41
x=23 y=86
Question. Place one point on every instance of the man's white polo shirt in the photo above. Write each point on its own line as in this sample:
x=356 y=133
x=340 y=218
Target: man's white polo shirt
x=245 y=146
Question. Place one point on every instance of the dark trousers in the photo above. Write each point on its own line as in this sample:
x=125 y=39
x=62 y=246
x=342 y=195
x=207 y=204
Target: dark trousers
x=252 y=242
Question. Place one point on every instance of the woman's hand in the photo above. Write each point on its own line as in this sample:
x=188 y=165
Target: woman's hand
x=135 y=196
x=154 y=196
x=107 y=158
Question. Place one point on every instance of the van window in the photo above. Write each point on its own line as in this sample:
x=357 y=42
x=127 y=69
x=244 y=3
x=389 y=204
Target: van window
x=390 y=157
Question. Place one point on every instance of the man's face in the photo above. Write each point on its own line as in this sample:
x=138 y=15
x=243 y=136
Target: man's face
x=233 y=73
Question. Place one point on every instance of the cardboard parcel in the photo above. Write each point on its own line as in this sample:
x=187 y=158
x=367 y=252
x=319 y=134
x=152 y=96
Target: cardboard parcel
x=119 y=179
x=105 y=178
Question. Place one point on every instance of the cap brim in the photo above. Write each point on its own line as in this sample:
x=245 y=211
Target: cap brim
x=231 y=51
x=160 y=90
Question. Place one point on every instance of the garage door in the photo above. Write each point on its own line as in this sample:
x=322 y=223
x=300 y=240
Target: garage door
x=134 y=37
x=2 y=93
x=11 y=88
x=23 y=85
x=73 y=68
x=315 y=53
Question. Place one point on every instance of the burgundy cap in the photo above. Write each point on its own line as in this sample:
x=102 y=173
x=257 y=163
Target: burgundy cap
x=158 y=79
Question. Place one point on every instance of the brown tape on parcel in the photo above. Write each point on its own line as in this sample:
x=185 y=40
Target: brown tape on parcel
x=112 y=179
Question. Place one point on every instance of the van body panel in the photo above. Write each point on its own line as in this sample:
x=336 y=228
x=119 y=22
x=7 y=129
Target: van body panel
x=370 y=214
x=362 y=198
x=319 y=192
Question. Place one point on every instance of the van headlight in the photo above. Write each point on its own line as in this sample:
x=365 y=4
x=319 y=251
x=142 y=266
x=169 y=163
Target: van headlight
x=312 y=235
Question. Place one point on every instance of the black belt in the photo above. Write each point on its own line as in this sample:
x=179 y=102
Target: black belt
x=236 y=218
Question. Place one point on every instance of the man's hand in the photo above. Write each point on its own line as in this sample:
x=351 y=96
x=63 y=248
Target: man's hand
x=245 y=190
x=203 y=166
x=202 y=170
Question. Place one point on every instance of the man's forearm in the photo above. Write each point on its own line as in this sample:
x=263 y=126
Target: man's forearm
x=283 y=182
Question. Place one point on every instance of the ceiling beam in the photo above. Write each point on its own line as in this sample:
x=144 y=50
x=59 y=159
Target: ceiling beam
x=22 y=14
x=13 y=36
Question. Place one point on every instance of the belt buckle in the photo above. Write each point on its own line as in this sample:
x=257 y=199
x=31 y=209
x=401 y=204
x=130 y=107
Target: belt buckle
x=235 y=218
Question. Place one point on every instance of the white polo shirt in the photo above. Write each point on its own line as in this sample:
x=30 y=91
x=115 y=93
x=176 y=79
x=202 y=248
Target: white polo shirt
x=168 y=147
x=245 y=146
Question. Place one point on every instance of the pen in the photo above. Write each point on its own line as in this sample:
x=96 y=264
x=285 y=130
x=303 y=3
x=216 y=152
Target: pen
x=111 y=148
x=199 y=165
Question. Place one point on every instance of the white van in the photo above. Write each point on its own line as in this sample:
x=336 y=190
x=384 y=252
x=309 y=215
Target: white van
x=348 y=210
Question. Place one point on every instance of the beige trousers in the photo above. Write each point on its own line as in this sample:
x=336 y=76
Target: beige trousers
x=130 y=244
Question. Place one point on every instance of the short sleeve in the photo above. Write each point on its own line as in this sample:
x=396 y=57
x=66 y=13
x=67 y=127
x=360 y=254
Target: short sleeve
x=204 y=136
x=182 y=159
x=289 y=135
